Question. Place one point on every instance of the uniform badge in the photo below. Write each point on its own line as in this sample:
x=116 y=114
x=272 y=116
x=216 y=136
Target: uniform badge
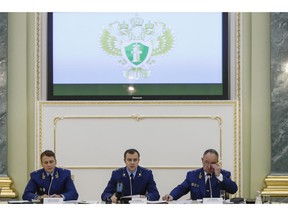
x=200 y=176
x=43 y=176
x=57 y=175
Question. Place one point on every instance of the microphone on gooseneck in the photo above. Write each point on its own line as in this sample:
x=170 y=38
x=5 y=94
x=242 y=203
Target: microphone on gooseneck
x=119 y=190
x=50 y=184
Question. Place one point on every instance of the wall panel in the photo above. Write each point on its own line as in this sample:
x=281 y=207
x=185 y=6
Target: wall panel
x=90 y=138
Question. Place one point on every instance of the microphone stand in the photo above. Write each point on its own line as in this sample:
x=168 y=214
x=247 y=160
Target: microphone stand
x=131 y=192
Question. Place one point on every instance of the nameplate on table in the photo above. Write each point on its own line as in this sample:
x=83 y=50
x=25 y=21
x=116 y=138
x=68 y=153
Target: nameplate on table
x=138 y=200
x=52 y=200
x=212 y=201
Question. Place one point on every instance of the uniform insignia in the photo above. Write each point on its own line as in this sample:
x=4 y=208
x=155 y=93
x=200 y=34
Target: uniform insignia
x=200 y=176
x=43 y=176
x=139 y=174
x=124 y=174
x=194 y=184
x=57 y=174
x=43 y=189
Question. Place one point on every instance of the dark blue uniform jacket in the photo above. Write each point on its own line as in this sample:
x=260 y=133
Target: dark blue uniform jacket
x=195 y=184
x=143 y=184
x=61 y=183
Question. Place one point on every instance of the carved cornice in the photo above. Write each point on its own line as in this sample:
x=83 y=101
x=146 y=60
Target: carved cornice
x=276 y=186
x=7 y=191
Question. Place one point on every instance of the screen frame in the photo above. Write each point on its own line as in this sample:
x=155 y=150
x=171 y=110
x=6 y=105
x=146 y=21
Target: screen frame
x=225 y=75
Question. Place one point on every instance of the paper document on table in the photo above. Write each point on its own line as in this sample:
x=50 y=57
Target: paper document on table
x=183 y=201
x=132 y=196
x=19 y=202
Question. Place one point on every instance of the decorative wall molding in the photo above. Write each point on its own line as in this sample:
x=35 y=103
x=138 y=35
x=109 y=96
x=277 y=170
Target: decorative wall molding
x=52 y=126
x=90 y=137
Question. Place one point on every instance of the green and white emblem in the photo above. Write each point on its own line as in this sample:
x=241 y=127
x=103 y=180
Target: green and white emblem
x=136 y=53
x=136 y=44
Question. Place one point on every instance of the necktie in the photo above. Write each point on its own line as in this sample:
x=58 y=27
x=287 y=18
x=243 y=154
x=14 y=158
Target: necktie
x=50 y=180
x=208 y=184
x=131 y=178
x=131 y=183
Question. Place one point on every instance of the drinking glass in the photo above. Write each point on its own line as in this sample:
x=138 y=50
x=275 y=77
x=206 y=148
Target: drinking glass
x=266 y=199
x=222 y=194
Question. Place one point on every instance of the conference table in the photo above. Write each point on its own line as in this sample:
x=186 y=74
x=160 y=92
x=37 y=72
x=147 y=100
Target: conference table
x=134 y=201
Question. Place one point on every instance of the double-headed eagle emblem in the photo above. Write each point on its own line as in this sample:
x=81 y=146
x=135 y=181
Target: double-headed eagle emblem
x=136 y=44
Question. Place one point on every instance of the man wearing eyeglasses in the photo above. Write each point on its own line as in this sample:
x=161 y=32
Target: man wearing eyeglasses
x=130 y=180
x=50 y=181
x=206 y=181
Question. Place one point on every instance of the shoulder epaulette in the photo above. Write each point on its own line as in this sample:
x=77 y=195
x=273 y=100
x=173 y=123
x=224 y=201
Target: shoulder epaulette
x=191 y=171
x=224 y=170
x=146 y=169
x=37 y=171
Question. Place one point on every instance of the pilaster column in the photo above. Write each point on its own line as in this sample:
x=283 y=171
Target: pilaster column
x=5 y=180
x=277 y=181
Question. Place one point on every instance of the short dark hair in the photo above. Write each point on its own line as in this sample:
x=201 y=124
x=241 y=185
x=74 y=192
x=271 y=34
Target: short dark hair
x=131 y=151
x=47 y=153
x=212 y=151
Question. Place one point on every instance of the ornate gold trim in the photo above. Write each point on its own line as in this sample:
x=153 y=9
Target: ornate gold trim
x=237 y=105
x=116 y=167
x=81 y=103
x=7 y=191
x=38 y=55
x=239 y=97
x=38 y=85
x=276 y=186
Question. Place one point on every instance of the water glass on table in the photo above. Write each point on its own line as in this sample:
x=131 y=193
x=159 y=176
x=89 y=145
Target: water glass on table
x=266 y=199
x=222 y=194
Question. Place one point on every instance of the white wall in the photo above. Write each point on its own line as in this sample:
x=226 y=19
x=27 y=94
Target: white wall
x=90 y=138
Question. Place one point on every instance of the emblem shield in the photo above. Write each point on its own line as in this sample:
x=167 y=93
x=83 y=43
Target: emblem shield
x=136 y=53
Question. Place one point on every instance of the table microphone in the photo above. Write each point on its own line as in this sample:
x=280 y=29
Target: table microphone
x=119 y=190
